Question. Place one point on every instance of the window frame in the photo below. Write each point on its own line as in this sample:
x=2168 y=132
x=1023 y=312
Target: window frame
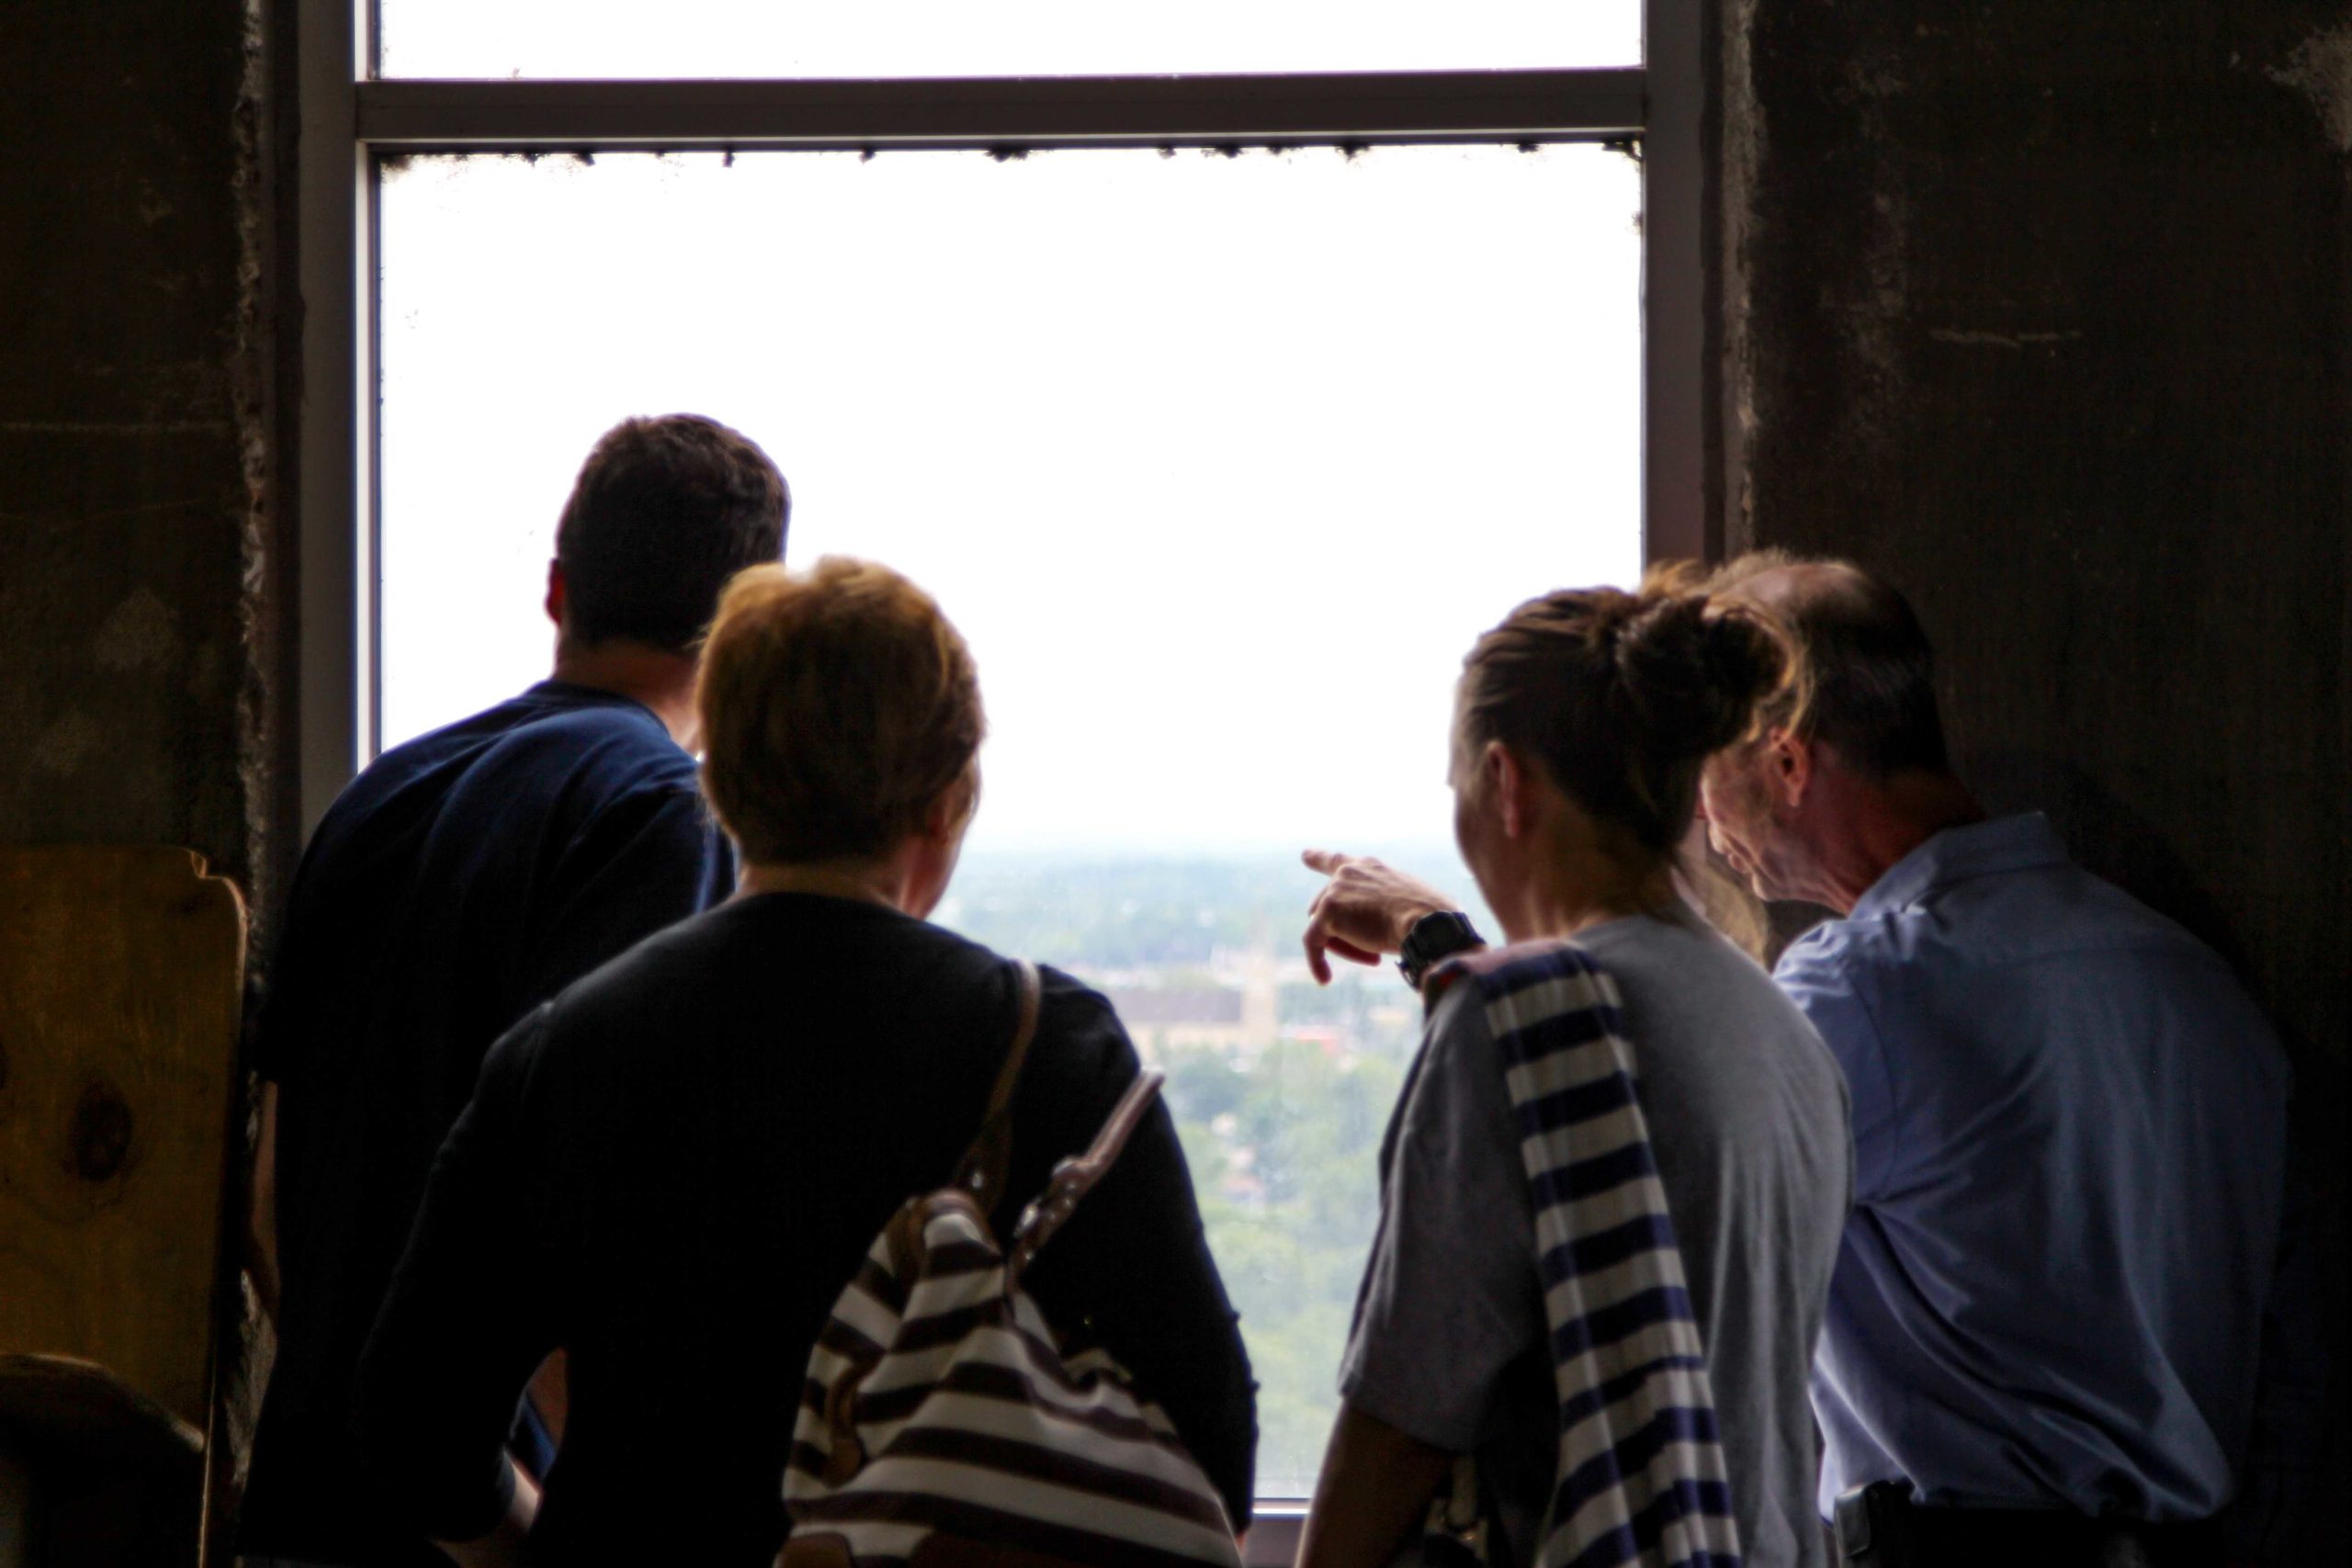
x=349 y=120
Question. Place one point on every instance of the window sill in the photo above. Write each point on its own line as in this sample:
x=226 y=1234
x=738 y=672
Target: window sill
x=1273 y=1533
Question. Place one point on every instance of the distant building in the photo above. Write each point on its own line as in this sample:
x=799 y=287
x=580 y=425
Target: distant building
x=1161 y=1017
x=1241 y=1018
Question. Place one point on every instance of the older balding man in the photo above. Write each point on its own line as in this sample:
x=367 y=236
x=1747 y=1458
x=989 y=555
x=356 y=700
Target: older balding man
x=2070 y=1127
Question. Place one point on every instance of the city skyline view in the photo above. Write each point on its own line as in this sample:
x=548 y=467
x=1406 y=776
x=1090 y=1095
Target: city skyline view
x=1280 y=1089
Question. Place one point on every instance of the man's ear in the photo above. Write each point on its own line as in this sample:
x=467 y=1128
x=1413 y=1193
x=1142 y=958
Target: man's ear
x=555 y=593
x=1506 y=783
x=1789 y=762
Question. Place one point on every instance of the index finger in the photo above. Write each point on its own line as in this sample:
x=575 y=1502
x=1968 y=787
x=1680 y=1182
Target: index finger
x=1325 y=860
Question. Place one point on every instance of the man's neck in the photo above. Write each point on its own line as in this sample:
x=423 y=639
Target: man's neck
x=1872 y=825
x=662 y=681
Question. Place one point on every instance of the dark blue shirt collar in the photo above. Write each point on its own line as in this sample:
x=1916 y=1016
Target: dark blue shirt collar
x=553 y=692
x=1980 y=849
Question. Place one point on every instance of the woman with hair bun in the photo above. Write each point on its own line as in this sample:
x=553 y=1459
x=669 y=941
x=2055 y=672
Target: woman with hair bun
x=1613 y=1186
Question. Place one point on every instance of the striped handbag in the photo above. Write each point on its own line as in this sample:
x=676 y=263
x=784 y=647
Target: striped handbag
x=945 y=1424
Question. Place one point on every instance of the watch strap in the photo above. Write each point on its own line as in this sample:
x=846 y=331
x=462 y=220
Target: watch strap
x=1431 y=941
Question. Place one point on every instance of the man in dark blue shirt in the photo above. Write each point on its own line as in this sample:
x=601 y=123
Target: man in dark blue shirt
x=463 y=878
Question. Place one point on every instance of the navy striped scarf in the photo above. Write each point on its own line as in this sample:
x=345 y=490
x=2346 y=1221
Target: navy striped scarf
x=1641 y=1475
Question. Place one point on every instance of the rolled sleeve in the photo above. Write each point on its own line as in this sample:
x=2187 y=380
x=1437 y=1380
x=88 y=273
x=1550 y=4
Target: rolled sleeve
x=1450 y=1297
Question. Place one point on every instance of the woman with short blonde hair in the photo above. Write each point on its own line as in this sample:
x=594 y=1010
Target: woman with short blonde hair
x=838 y=705
x=672 y=1170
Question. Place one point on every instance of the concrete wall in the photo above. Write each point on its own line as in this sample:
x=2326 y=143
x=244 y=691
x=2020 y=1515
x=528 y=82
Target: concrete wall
x=2044 y=309
x=143 y=653
x=132 y=705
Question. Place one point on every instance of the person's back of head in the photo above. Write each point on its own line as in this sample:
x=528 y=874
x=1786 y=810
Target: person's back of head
x=1622 y=697
x=1868 y=685
x=840 y=708
x=665 y=512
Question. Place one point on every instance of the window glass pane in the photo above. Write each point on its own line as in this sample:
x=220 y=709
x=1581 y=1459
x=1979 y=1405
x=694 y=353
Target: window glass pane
x=1219 y=462
x=989 y=38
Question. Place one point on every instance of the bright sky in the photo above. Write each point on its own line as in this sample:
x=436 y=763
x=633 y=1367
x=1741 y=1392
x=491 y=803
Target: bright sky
x=948 y=37
x=1219 y=464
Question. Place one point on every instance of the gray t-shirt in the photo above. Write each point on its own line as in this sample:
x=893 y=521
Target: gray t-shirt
x=1748 y=1118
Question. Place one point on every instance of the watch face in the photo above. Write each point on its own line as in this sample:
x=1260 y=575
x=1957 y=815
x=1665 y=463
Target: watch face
x=1430 y=939
x=1433 y=934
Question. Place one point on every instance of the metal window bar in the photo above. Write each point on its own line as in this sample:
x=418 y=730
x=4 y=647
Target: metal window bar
x=1042 y=112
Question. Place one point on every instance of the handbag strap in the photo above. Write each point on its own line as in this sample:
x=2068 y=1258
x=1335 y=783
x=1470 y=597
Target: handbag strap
x=1075 y=1178
x=981 y=1172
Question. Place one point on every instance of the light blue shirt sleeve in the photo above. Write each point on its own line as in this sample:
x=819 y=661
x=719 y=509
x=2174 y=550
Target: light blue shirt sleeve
x=1827 y=989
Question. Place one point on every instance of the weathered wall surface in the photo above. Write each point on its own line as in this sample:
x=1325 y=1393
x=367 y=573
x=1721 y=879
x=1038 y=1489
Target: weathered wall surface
x=142 y=672
x=2044 y=309
x=128 y=692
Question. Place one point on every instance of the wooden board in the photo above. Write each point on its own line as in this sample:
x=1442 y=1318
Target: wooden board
x=121 y=976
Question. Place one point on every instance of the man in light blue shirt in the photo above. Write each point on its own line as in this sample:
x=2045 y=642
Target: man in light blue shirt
x=2070 y=1128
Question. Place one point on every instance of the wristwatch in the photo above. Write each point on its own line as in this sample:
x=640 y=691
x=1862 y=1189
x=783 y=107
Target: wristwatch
x=1431 y=941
